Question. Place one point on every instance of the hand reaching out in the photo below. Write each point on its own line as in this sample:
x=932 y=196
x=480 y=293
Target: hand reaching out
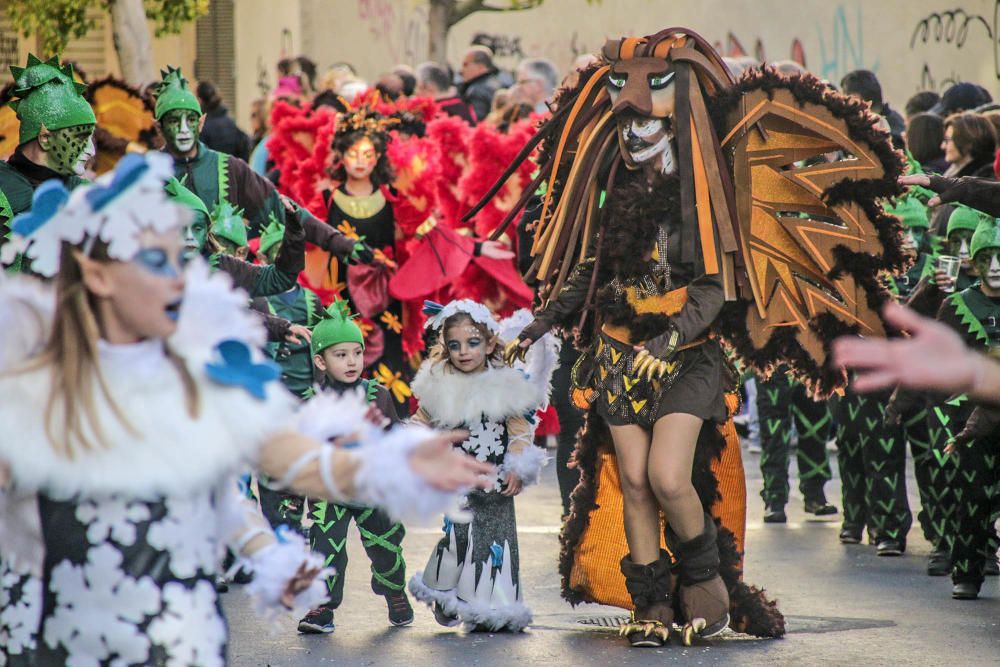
x=303 y=578
x=297 y=332
x=449 y=469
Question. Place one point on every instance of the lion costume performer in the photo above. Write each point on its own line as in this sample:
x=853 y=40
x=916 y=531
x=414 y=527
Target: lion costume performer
x=683 y=210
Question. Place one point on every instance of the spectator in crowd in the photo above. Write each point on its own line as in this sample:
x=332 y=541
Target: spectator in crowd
x=390 y=85
x=480 y=80
x=328 y=84
x=580 y=63
x=970 y=145
x=406 y=75
x=864 y=84
x=921 y=102
x=220 y=131
x=434 y=81
x=925 y=141
x=961 y=97
x=536 y=82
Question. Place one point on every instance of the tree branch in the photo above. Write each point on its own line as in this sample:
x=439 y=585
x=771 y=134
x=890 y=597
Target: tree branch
x=464 y=8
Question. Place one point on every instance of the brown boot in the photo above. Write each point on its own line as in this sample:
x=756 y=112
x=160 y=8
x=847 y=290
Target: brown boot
x=704 y=596
x=653 y=613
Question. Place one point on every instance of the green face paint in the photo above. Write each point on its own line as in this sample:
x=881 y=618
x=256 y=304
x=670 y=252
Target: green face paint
x=913 y=239
x=180 y=129
x=958 y=245
x=987 y=262
x=195 y=235
x=68 y=150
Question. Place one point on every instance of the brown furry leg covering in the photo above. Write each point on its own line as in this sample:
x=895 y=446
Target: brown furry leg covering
x=752 y=612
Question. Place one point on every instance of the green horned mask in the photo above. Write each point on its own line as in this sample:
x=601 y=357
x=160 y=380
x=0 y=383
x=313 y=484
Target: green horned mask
x=177 y=111
x=337 y=327
x=228 y=229
x=196 y=231
x=270 y=239
x=46 y=96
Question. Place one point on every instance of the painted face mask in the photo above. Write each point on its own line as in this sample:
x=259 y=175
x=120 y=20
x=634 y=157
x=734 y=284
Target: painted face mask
x=913 y=239
x=68 y=150
x=180 y=128
x=360 y=159
x=958 y=245
x=642 y=99
x=988 y=266
x=195 y=234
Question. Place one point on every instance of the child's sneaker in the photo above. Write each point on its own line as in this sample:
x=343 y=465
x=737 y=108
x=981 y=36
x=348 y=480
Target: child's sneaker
x=444 y=618
x=319 y=621
x=400 y=611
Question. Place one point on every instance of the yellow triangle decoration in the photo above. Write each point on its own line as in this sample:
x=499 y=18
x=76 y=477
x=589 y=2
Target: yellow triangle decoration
x=638 y=405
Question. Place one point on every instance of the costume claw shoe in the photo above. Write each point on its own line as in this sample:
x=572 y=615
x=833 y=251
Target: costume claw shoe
x=653 y=613
x=704 y=596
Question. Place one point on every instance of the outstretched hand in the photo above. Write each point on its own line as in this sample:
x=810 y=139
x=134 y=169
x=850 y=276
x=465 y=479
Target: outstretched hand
x=495 y=250
x=296 y=334
x=448 y=469
x=924 y=181
x=302 y=579
x=932 y=357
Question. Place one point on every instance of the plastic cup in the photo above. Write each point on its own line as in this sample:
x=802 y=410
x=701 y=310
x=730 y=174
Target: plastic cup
x=949 y=264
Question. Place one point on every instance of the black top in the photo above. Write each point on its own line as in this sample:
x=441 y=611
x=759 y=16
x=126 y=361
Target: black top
x=221 y=133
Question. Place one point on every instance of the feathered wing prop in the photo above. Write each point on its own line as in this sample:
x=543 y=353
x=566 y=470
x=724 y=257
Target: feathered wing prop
x=125 y=121
x=812 y=233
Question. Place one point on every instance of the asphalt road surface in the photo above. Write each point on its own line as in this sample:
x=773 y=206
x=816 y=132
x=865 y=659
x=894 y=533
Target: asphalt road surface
x=843 y=605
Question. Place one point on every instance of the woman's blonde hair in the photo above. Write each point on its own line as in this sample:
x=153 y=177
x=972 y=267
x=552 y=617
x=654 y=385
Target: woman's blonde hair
x=71 y=354
x=439 y=350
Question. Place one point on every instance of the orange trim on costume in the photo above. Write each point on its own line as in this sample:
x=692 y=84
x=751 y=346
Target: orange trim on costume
x=703 y=205
x=629 y=45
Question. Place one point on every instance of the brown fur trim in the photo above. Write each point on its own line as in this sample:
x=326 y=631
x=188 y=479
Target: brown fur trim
x=635 y=211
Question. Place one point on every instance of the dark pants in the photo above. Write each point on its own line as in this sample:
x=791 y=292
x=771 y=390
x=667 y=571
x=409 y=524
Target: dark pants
x=381 y=538
x=872 y=459
x=780 y=403
x=976 y=487
x=570 y=422
x=280 y=508
x=934 y=471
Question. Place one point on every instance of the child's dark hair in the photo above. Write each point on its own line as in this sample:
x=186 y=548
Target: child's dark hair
x=439 y=350
x=342 y=141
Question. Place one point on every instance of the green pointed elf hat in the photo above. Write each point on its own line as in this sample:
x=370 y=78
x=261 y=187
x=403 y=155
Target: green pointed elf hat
x=172 y=93
x=965 y=217
x=228 y=224
x=183 y=196
x=338 y=327
x=271 y=236
x=910 y=211
x=46 y=94
x=987 y=236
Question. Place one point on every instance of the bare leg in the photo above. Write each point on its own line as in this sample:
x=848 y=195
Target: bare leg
x=641 y=510
x=671 y=458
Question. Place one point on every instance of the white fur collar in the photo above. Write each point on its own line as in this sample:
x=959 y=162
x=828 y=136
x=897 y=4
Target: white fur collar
x=173 y=453
x=453 y=398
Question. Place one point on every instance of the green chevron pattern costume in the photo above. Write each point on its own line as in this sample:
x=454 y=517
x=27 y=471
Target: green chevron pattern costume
x=781 y=401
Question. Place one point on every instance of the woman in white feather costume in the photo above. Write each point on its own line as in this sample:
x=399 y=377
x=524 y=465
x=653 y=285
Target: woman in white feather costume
x=132 y=395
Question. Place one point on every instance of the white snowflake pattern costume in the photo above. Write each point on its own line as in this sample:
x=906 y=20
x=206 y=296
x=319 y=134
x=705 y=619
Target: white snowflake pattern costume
x=115 y=549
x=472 y=573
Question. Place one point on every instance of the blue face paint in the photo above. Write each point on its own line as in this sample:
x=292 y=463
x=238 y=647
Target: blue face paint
x=155 y=261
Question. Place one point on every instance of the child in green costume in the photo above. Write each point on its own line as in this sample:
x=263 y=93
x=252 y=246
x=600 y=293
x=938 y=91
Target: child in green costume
x=338 y=351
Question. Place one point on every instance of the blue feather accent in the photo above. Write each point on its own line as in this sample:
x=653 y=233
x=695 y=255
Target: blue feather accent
x=129 y=170
x=48 y=199
x=238 y=369
x=447 y=525
x=496 y=551
x=432 y=308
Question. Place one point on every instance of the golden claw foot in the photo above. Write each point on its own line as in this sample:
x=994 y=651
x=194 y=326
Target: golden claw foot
x=645 y=633
x=514 y=352
x=691 y=630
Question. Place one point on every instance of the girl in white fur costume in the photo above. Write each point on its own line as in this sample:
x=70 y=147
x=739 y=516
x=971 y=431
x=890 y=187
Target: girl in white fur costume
x=472 y=575
x=132 y=395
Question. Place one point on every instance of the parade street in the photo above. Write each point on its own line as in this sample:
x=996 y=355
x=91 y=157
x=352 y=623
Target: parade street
x=843 y=605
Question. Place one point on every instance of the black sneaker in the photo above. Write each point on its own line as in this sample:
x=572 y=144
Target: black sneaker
x=400 y=611
x=939 y=563
x=819 y=507
x=850 y=536
x=889 y=548
x=775 y=514
x=991 y=568
x=221 y=585
x=444 y=618
x=965 y=590
x=319 y=621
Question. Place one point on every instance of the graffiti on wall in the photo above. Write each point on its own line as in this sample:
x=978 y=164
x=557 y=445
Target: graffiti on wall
x=842 y=45
x=960 y=30
x=502 y=46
